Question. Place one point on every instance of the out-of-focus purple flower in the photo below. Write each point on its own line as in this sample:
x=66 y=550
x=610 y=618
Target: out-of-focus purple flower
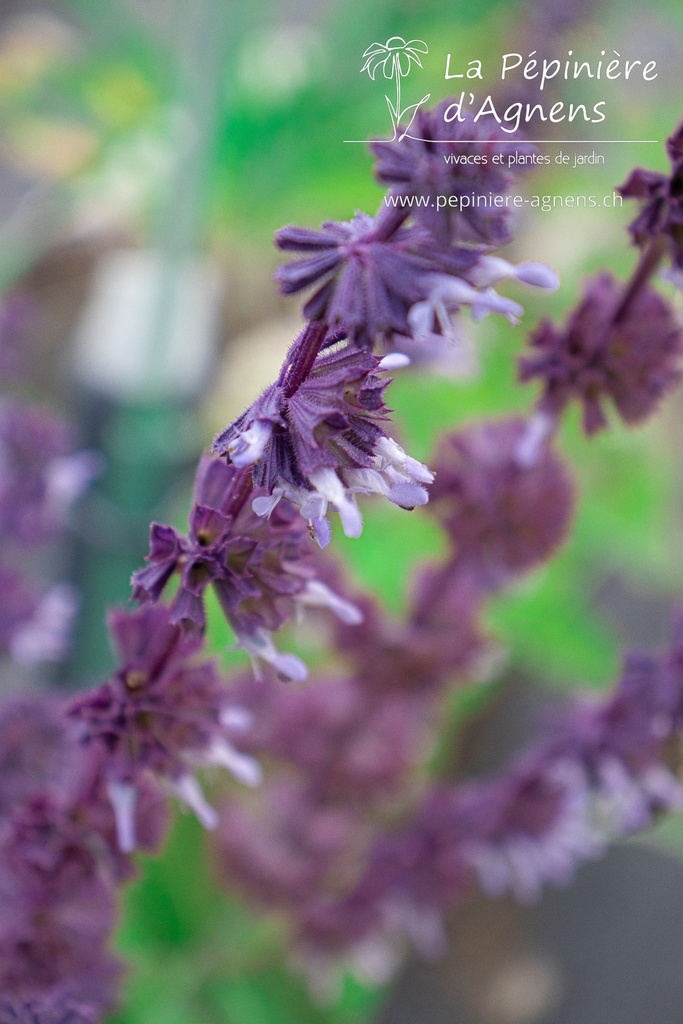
x=40 y=476
x=503 y=517
x=40 y=757
x=661 y=198
x=259 y=566
x=162 y=714
x=283 y=851
x=34 y=748
x=425 y=165
x=34 y=627
x=440 y=639
x=354 y=747
x=600 y=356
x=86 y=791
x=57 y=909
x=320 y=443
x=49 y=1010
x=597 y=772
x=47 y=634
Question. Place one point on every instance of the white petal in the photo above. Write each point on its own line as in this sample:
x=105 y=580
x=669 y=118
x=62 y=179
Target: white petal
x=317 y=594
x=123 y=798
x=264 y=505
x=532 y=442
x=394 y=361
x=187 y=789
x=246 y=769
x=327 y=483
x=260 y=645
x=408 y=495
x=538 y=275
x=249 y=446
x=322 y=530
x=237 y=718
x=421 y=319
x=488 y=270
x=490 y=301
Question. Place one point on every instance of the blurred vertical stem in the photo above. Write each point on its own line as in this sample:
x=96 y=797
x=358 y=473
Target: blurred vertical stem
x=201 y=47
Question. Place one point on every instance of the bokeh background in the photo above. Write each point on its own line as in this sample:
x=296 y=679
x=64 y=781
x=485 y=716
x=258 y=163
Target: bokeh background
x=149 y=149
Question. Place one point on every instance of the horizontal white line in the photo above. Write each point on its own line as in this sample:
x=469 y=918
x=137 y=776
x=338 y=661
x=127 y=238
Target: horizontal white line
x=517 y=142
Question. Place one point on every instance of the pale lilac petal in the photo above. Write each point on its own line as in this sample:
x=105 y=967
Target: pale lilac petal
x=123 y=798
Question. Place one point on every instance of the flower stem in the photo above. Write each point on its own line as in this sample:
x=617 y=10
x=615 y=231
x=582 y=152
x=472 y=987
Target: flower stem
x=297 y=368
x=646 y=267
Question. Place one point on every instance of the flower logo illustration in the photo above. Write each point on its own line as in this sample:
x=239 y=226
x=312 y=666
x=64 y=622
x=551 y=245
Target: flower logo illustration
x=396 y=57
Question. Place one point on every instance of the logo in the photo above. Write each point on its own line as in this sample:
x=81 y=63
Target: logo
x=396 y=58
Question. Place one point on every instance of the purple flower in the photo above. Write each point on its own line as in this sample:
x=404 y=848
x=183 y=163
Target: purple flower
x=425 y=165
x=40 y=476
x=35 y=754
x=284 y=850
x=320 y=442
x=381 y=283
x=502 y=516
x=46 y=635
x=354 y=746
x=41 y=757
x=46 y=1011
x=368 y=272
x=57 y=909
x=34 y=627
x=439 y=639
x=260 y=567
x=161 y=715
x=630 y=359
x=661 y=198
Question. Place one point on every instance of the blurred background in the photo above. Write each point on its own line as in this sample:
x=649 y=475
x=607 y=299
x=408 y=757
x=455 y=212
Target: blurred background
x=148 y=151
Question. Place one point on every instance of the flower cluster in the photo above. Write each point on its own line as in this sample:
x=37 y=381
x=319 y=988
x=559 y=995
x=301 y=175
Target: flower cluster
x=317 y=436
x=502 y=515
x=319 y=441
x=40 y=474
x=40 y=477
x=598 y=772
x=608 y=352
x=354 y=839
x=159 y=716
x=259 y=565
x=661 y=196
x=45 y=1011
x=355 y=746
x=57 y=871
x=422 y=166
x=373 y=274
